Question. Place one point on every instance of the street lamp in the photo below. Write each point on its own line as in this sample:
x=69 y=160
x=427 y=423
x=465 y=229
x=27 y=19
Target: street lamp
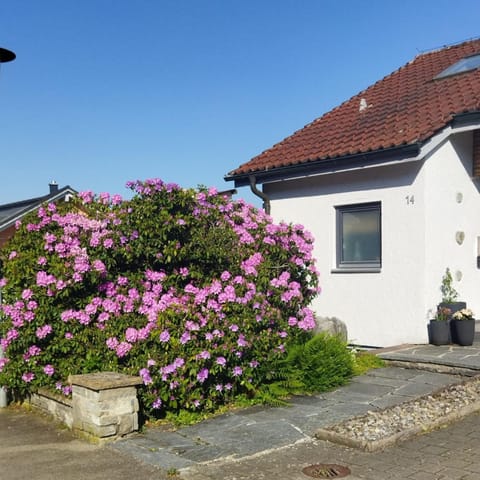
x=6 y=55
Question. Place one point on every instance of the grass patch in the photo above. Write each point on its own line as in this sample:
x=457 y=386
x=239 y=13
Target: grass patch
x=365 y=361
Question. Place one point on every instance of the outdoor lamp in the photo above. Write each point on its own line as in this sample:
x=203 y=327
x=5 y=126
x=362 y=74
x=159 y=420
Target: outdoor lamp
x=6 y=55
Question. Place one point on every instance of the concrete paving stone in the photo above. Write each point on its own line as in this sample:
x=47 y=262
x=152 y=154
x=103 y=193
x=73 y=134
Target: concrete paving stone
x=470 y=476
x=210 y=453
x=430 y=467
x=382 y=381
x=157 y=458
x=422 y=476
x=437 y=379
x=162 y=439
x=451 y=474
x=458 y=463
x=227 y=421
x=474 y=468
x=367 y=389
x=433 y=450
x=394 y=373
x=415 y=390
x=390 y=401
x=249 y=439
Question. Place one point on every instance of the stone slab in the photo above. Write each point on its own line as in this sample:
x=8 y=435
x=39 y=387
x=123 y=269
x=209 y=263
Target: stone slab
x=104 y=380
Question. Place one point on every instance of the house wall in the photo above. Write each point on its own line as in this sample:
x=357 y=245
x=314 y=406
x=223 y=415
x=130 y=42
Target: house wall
x=427 y=207
x=453 y=206
x=380 y=309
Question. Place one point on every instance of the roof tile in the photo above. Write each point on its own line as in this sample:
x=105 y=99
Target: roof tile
x=405 y=107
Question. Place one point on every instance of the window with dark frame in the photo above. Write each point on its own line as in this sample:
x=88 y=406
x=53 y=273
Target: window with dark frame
x=359 y=236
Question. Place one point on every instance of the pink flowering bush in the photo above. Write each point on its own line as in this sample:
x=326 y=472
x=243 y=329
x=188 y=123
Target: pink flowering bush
x=197 y=294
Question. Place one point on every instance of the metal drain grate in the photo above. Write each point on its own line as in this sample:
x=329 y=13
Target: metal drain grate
x=326 y=470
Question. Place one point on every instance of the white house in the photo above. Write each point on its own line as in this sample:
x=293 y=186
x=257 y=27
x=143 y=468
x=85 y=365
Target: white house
x=389 y=184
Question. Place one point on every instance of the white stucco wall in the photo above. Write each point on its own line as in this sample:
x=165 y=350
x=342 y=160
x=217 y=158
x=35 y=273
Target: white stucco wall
x=420 y=216
x=453 y=206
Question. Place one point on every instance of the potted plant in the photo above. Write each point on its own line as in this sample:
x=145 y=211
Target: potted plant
x=449 y=300
x=463 y=327
x=449 y=294
x=439 y=327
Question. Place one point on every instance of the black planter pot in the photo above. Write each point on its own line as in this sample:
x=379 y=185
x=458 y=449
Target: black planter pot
x=463 y=331
x=439 y=332
x=453 y=307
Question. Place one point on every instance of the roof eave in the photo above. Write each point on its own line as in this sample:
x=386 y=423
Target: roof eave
x=63 y=192
x=318 y=167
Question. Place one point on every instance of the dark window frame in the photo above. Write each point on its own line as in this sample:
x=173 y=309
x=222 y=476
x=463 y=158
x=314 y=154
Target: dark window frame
x=361 y=265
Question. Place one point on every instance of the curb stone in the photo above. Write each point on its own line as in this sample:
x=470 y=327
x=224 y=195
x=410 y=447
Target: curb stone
x=383 y=443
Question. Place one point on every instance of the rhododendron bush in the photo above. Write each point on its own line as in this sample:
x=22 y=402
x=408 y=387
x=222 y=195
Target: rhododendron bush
x=194 y=292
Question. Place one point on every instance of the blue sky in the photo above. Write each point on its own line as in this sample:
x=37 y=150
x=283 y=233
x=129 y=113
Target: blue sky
x=105 y=91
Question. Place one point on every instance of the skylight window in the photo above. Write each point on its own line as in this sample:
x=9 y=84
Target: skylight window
x=464 y=65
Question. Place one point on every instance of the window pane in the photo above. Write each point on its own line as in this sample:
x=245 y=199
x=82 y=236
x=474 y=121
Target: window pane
x=463 y=65
x=361 y=236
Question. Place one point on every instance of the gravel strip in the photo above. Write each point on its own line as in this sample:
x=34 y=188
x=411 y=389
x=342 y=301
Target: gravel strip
x=377 y=430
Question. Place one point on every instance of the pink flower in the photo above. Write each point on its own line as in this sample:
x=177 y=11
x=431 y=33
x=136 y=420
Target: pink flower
x=49 y=370
x=185 y=337
x=164 y=336
x=3 y=362
x=202 y=375
x=28 y=377
x=86 y=197
x=146 y=377
x=203 y=355
x=112 y=343
x=12 y=255
x=131 y=335
x=237 y=371
x=99 y=266
x=27 y=294
x=122 y=349
x=225 y=276
x=221 y=361
x=42 y=332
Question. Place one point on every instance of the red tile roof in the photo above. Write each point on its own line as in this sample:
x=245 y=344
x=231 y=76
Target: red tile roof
x=404 y=108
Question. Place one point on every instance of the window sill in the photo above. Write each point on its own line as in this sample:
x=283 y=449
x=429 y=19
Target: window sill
x=356 y=270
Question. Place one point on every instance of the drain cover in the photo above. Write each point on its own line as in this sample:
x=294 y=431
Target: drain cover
x=326 y=470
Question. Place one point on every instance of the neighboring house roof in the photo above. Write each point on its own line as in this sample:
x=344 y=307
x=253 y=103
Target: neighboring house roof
x=11 y=212
x=403 y=110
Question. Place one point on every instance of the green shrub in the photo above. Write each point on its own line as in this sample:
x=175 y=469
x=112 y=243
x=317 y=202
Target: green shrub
x=197 y=294
x=322 y=363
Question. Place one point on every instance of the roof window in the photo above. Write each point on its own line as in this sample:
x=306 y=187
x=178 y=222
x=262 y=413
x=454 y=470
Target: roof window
x=464 y=65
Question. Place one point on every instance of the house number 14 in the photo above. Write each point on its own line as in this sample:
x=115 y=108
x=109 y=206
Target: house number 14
x=410 y=199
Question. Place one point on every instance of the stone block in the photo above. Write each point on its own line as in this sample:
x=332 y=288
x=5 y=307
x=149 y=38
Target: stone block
x=104 y=405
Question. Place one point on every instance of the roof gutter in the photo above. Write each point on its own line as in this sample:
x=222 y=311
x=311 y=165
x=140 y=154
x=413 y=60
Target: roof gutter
x=259 y=193
x=318 y=167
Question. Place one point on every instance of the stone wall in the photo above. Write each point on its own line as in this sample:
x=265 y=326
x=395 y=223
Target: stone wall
x=57 y=406
x=104 y=405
